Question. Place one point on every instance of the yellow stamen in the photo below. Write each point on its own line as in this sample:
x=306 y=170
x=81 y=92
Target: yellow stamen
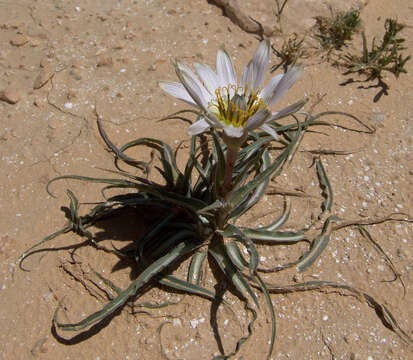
x=236 y=110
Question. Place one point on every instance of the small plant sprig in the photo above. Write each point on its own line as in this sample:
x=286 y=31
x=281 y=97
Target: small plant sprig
x=280 y=5
x=384 y=57
x=335 y=31
x=291 y=51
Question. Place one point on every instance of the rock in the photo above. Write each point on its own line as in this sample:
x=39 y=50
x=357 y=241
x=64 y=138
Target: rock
x=35 y=42
x=46 y=61
x=105 y=61
x=10 y=95
x=19 y=40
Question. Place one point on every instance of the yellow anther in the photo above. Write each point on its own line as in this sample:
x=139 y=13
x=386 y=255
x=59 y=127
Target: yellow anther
x=236 y=109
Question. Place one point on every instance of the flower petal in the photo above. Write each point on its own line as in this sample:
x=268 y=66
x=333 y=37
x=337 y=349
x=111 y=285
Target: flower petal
x=291 y=109
x=208 y=76
x=247 y=75
x=260 y=63
x=269 y=130
x=256 y=120
x=233 y=132
x=198 y=127
x=269 y=89
x=225 y=69
x=205 y=93
x=191 y=85
x=213 y=120
x=285 y=83
x=178 y=91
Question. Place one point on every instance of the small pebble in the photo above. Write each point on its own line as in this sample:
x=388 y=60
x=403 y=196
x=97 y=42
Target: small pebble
x=105 y=61
x=19 y=40
x=193 y=323
x=10 y=95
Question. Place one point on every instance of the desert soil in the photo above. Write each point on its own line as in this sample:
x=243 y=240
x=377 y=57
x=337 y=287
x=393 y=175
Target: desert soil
x=62 y=60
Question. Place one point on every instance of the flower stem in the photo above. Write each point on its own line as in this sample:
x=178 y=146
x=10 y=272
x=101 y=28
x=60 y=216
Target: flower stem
x=229 y=168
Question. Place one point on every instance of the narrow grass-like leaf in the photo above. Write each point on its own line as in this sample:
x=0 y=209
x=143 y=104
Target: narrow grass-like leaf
x=259 y=191
x=195 y=272
x=218 y=204
x=282 y=237
x=32 y=250
x=245 y=168
x=243 y=339
x=150 y=305
x=155 y=268
x=115 y=182
x=109 y=283
x=381 y=310
x=176 y=115
x=252 y=148
x=131 y=177
x=185 y=286
x=170 y=242
x=281 y=220
x=369 y=129
x=272 y=313
x=170 y=171
x=187 y=202
x=187 y=177
x=231 y=272
x=239 y=195
x=119 y=153
x=326 y=186
x=319 y=244
x=233 y=231
x=235 y=255
x=366 y=234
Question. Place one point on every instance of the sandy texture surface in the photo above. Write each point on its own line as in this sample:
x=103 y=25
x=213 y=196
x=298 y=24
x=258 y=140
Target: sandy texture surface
x=61 y=59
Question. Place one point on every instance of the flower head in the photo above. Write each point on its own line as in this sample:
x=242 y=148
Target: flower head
x=235 y=107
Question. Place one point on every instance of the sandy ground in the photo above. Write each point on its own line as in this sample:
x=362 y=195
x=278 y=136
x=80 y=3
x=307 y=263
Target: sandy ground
x=60 y=59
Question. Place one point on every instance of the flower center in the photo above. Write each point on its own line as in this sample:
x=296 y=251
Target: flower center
x=234 y=104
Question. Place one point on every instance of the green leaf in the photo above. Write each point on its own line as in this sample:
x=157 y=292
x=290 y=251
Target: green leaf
x=155 y=268
x=272 y=313
x=195 y=271
x=185 y=286
x=281 y=220
x=282 y=237
x=231 y=272
x=239 y=195
x=171 y=241
x=170 y=171
x=119 y=153
x=381 y=310
x=233 y=231
x=259 y=191
x=218 y=204
x=318 y=245
x=235 y=255
x=326 y=186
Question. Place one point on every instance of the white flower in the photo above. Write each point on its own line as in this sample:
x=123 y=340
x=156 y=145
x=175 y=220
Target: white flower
x=236 y=107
